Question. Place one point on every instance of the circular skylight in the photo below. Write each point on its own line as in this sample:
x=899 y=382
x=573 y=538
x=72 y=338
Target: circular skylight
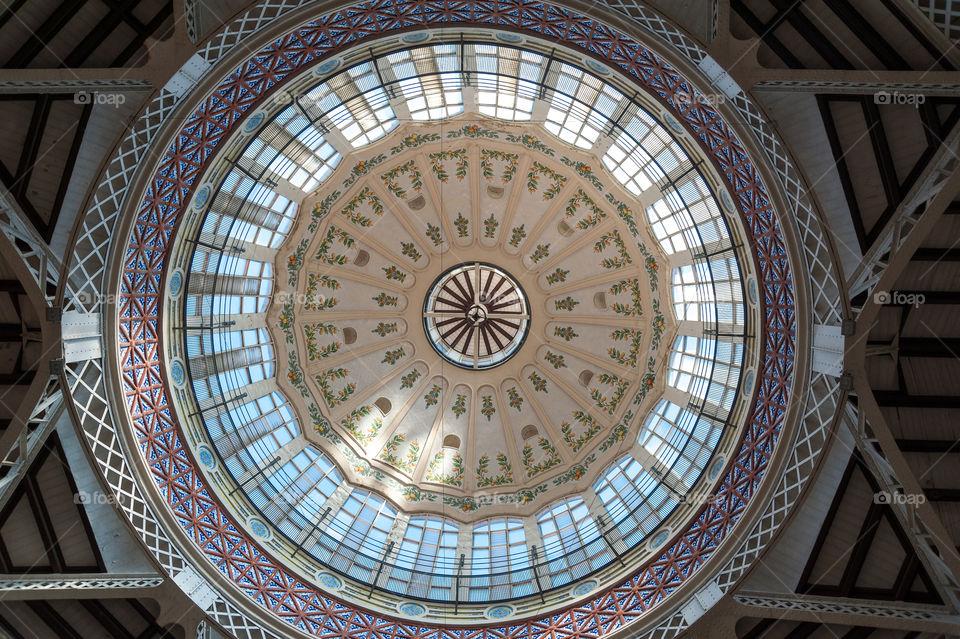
x=476 y=316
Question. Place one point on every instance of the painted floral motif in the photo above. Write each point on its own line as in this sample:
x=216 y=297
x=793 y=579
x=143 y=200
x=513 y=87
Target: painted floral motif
x=324 y=381
x=555 y=180
x=350 y=210
x=362 y=168
x=575 y=472
x=409 y=169
x=539 y=383
x=351 y=423
x=404 y=464
x=487 y=410
x=555 y=360
x=622 y=258
x=591 y=428
x=385 y=328
x=385 y=300
x=459 y=156
x=408 y=249
x=435 y=469
x=314 y=301
x=658 y=325
x=532 y=142
x=433 y=233
x=408 y=380
x=295 y=375
x=516 y=401
x=414 y=140
x=473 y=131
x=517 y=235
x=324 y=253
x=393 y=356
x=558 y=276
x=653 y=269
x=393 y=273
x=619 y=387
x=490 y=227
x=566 y=304
x=551 y=458
x=484 y=479
x=634 y=338
x=542 y=251
x=565 y=332
x=295 y=261
x=432 y=397
x=286 y=321
x=584 y=171
x=459 y=405
x=321 y=209
x=462 y=224
x=312 y=333
x=581 y=199
x=626 y=214
x=510 y=162
x=634 y=309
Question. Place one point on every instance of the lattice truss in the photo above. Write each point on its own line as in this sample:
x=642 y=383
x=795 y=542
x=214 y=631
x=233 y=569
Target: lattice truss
x=91 y=251
x=943 y=13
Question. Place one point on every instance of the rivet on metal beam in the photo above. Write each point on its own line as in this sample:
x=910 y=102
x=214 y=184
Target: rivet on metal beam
x=848 y=328
x=846 y=382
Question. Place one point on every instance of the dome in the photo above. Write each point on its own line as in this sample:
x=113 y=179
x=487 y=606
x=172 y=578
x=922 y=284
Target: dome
x=461 y=328
x=440 y=380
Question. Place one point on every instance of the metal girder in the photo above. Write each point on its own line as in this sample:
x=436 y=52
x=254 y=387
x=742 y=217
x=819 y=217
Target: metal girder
x=856 y=82
x=921 y=346
x=42 y=264
x=900 y=399
x=928 y=446
x=27 y=432
x=932 y=193
x=852 y=612
x=77 y=585
x=917 y=517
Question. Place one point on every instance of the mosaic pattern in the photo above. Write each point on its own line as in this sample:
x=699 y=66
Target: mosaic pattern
x=238 y=557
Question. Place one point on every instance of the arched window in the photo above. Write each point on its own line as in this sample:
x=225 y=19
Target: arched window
x=427 y=558
x=706 y=368
x=356 y=537
x=633 y=499
x=229 y=360
x=572 y=545
x=429 y=80
x=506 y=81
x=681 y=442
x=247 y=434
x=499 y=561
x=687 y=217
x=363 y=118
x=578 y=114
x=643 y=154
x=225 y=284
x=709 y=292
x=292 y=497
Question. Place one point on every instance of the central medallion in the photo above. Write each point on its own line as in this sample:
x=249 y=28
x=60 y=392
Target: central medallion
x=476 y=315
